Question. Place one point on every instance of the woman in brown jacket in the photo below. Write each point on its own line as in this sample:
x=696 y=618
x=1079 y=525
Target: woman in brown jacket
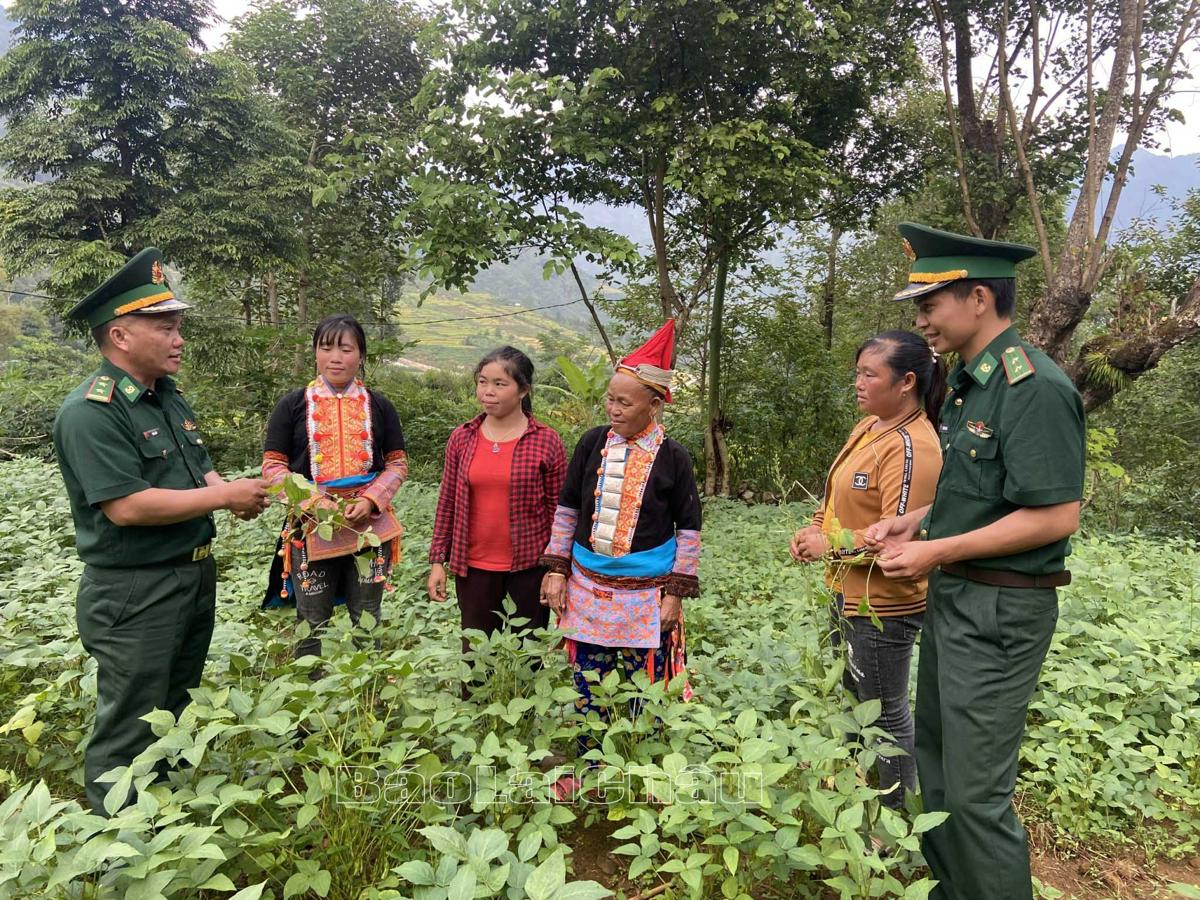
x=890 y=464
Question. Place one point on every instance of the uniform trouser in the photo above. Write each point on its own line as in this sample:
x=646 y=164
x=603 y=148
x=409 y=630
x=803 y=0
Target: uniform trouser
x=981 y=652
x=148 y=628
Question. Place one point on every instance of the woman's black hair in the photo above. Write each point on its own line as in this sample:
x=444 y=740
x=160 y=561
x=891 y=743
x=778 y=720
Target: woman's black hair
x=519 y=368
x=330 y=328
x=905 y=352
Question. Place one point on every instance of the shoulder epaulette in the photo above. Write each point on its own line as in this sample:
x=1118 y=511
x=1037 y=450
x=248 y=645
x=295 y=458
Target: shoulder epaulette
x=101 y=389
x=1016 y=364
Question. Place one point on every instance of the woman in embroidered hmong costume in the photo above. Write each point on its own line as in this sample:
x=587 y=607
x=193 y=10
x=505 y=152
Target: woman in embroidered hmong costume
x=890 y=464
x=625 y=545
x=347 y=440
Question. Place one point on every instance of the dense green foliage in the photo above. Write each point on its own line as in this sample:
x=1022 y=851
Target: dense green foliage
x=285 y=787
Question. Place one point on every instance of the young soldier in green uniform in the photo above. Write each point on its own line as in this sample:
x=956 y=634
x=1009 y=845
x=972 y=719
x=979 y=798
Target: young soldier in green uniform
x=995 y=541
x=142 y=492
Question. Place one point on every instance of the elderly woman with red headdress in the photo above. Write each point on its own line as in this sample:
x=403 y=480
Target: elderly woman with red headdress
x=625 y=543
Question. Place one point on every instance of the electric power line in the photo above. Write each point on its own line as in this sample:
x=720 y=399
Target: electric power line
x=236 y=318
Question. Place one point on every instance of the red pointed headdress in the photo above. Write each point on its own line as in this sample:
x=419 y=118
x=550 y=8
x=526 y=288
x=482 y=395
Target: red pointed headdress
x=651 y=363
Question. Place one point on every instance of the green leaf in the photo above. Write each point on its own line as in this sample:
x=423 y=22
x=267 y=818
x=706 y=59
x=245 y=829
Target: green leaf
x=544 y=881
x=462 y=887
x=218 y=882
x=529 y=846
x=867 y=712
x=919 y=890
x=746 y=723
x=582 y=890
x=446 y=841
x=416 y=871
x=254 y=892
x=486 y=845
x=730 y=856
x=151 y=887
x=926 y=821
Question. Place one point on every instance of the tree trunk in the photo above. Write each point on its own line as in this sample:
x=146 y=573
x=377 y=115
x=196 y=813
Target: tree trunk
x=587 y=301
x=302 y=300
x=655 y=203
x=1053 y=321
x=829 y=292
x=716 y=475
x=271 y=287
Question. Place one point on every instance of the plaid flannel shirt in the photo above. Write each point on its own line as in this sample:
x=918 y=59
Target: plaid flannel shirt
x=538 y=468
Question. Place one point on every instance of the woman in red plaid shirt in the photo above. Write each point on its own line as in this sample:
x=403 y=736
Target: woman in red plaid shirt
x=503 y=473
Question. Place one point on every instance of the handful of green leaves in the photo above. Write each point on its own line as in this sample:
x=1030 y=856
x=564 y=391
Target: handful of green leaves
x=842 y=545
x=309 y=510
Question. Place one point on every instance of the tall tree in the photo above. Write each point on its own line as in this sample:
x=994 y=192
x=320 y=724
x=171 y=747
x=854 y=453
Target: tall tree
x=341 y=70
x=1043 y=120
x=109 y=109
x=720 y=120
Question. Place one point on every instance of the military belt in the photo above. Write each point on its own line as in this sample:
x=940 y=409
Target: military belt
x=998 y=578
x=204 y=551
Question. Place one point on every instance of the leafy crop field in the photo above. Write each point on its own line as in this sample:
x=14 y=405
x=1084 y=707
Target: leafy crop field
x=380 y=780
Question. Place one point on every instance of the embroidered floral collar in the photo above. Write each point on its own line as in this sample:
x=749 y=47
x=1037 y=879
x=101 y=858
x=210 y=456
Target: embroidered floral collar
x=648 y=439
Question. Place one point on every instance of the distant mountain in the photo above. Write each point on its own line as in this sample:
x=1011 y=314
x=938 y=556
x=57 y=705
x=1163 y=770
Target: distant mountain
x=1176 y=175
x=454 y=330
x=1141 y=198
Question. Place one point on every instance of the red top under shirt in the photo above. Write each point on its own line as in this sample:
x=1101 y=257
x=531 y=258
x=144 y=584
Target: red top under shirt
x=489 y=543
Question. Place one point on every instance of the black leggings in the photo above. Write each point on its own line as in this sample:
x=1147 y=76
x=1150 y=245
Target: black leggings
x=328 y=580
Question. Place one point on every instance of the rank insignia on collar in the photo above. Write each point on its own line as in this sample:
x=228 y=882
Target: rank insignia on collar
x=130 y=389
x=983 y=370
x=189 y=425
x=979 y=429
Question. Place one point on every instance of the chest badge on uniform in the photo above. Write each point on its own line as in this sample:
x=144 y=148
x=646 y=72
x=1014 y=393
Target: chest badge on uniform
x=979 y=429
x=152 y=433
x=860 y=481
x=189 y=425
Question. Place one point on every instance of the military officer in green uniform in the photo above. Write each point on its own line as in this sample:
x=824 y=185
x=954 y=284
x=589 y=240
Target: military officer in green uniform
x=142 y=492
x=994 y=541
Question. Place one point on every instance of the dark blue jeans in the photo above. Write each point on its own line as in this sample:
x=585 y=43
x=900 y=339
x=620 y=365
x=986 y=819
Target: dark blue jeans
x=877 y=666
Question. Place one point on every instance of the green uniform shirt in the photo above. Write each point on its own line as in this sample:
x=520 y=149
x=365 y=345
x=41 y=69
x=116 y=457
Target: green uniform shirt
x=1012 y=434
x=115 y=437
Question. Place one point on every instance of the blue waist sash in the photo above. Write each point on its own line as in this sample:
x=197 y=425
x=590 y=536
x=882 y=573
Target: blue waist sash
x=349 y=481
x=644 y=564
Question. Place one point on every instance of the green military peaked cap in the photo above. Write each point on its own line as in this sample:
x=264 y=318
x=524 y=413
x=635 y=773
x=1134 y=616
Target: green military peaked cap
x=139 y=286
x=941 y=257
